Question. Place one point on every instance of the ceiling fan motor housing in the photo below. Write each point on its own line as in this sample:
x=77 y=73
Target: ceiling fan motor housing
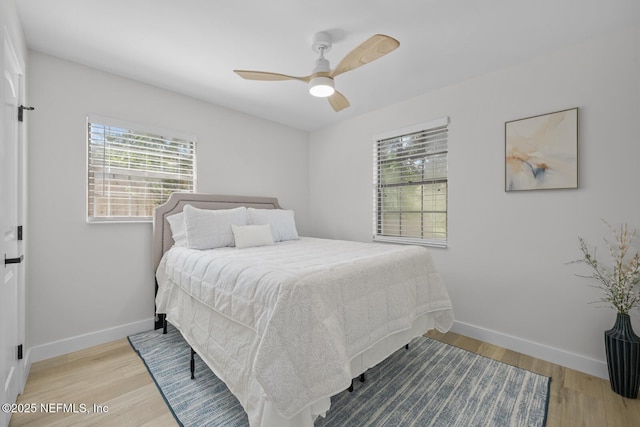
x=322 y=65
x=321 y=86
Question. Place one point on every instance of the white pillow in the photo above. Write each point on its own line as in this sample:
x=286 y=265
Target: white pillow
x=178 y=232
x=283 y=225
x=248 y=236
x=209 y=229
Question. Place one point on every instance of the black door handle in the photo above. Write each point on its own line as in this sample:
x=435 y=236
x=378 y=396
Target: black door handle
x=13 y=260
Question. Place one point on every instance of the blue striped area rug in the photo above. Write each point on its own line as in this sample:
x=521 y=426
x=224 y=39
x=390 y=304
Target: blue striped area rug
x=430 y=384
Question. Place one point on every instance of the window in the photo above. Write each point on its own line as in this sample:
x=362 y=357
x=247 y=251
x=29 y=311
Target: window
x=410 y=185
x=131 y=170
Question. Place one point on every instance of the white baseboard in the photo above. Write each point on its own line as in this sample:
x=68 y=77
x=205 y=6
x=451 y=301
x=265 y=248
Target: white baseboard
x=571 y=360
x=80 y=342
x=575 y=361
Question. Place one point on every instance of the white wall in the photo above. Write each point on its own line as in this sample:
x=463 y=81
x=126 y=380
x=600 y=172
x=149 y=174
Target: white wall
x=89 y=283
x=505 y=264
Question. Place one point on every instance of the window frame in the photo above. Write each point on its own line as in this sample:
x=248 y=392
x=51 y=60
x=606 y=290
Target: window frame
x=135 y=128
x=378 y=209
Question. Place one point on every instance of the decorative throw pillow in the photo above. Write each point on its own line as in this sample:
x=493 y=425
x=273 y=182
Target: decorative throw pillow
x=209 y=229
x=178 y=232
x=248 y=236
x=282 y=222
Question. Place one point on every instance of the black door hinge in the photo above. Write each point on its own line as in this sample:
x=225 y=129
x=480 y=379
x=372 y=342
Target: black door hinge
x=19 y=232
x=13 y=260
x=21 y=110
x=20 y=352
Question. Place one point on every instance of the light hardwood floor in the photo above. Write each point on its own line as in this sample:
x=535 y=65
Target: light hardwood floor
x=113 y=377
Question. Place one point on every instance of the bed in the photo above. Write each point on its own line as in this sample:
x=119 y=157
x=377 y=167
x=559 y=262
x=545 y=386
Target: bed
x=286 y=321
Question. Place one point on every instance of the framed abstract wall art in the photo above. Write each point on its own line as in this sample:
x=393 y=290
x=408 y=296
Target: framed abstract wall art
x=541 y=152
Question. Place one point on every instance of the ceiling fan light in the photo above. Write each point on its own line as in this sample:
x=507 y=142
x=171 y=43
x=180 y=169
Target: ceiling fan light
x=321 y=87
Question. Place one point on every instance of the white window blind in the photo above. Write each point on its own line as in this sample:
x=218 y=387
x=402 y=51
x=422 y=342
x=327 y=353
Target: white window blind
x=410 y=185
x=131 y=171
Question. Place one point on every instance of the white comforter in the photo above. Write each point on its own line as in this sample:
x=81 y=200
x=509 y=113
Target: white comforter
x=281 y=323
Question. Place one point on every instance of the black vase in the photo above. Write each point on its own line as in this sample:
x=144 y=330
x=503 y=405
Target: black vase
x=623 y=357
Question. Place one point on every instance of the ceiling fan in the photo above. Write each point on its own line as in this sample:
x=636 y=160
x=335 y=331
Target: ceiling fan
x=321 y=78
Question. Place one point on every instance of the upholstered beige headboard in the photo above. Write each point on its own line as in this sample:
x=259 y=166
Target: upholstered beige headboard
x=162 y=239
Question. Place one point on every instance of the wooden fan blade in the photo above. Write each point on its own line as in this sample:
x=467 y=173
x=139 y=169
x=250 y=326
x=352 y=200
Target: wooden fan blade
x=263 y=75
x=338 y=101
x=372 y=49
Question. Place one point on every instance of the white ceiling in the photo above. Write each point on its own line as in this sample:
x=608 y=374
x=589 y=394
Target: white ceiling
x=192 y=46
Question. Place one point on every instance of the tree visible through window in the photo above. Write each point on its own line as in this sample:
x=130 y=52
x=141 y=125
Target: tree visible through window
x=411 y=185
x=131 y=171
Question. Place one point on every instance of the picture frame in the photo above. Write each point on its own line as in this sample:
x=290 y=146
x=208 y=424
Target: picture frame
x=541 y=152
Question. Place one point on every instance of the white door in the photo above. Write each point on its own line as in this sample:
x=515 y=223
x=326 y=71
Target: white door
x=12 y=277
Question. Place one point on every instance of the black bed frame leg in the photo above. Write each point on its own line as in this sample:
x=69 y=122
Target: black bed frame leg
x=351 y=386
x=193 y=364
x=161 y=321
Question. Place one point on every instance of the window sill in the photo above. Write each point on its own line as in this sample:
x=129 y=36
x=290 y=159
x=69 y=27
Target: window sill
x=120 y=220
x=433 y=243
